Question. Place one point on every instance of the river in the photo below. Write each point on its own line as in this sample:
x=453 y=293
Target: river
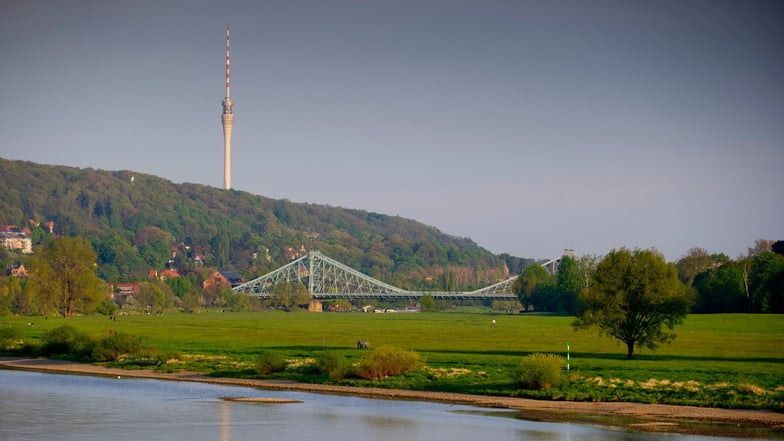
x=40 y=406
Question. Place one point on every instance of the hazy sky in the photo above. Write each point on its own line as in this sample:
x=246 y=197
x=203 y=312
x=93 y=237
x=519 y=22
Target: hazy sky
x=528 y=126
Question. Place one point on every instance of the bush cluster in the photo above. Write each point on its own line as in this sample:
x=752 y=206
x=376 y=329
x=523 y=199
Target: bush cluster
x=9 y=337
x=67 y=342
x=116 y=346
x=334 y=365
x=386 y=361
x=540 y=371
x=269 y=362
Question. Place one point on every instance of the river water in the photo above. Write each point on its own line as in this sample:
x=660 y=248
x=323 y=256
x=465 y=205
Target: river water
x=39 y=406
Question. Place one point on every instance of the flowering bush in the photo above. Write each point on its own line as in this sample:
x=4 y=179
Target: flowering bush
x=540 y=371
x=386 y=361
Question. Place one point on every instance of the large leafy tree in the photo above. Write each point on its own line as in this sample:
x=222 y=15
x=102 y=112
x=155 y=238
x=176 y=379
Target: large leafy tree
x=10 y=289
x=633 y=297
x=64 y=276
x=778 y=247
x=154 y=296
x=587 y=265
x=767 y=283
x=569 y=284
x=289 y=296
x=180 y=286
x=696 y=261
x=720 y=290
x=531 y=284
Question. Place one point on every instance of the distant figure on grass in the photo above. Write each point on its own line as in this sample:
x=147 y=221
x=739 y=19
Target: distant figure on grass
x=363 y=344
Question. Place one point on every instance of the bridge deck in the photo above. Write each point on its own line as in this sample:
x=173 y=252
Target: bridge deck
x=415 y=295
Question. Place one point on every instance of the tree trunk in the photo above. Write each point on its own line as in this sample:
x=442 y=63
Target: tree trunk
x=630 y=349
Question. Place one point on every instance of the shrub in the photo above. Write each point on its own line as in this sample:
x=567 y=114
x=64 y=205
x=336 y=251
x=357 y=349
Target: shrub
x=115 y=346
x=107 y=307
x=66 y=341
x=269 y=362
x=336 y=366
x=540 y=371
x=386 y=361
x=9 y=338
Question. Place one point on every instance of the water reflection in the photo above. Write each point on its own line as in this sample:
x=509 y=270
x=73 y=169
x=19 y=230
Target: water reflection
x=382 y=422
x=37 y=406
x=225 y=422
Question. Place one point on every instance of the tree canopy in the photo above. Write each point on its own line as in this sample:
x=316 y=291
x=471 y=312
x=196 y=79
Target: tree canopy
x=568 y=283
x=531 y=285
x=633 y=296
x=136 y=222
x=64 y=277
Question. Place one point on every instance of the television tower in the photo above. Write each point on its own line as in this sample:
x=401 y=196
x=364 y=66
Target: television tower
x=227 y=118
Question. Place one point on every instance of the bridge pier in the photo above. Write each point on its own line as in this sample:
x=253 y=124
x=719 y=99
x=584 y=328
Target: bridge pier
x=315 y=306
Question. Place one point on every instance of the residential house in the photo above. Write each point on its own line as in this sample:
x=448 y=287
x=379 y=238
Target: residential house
x=17 y=270
x=123 y=293
x=229 y=278
x=13 y=238
x=291 y=253
x=168 y=274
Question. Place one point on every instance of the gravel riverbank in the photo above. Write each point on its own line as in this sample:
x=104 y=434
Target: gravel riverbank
x=645 y=417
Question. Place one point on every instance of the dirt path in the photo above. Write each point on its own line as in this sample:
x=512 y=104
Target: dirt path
x=647 y=417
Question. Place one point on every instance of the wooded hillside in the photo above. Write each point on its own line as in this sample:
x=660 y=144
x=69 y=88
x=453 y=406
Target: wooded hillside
x=137 y=222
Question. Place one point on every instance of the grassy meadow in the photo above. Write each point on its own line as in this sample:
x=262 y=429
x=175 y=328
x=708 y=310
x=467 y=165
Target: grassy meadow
x=731 y=360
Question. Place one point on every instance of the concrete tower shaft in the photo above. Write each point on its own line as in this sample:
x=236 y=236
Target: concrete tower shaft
x=227 y=118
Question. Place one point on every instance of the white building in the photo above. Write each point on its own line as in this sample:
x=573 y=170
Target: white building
x=14 y=239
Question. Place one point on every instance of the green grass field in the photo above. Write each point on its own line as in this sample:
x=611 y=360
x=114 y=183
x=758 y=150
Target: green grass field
x=732 y=360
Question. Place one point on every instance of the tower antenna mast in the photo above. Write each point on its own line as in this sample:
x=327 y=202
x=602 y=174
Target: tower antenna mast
x=227 y=118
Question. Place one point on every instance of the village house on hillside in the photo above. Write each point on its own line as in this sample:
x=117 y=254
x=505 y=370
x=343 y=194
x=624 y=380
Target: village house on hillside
x=123 y=293
x=17 y=270
x=218 y=278
x=291 y=253
x=163 y=275
x=13 y=238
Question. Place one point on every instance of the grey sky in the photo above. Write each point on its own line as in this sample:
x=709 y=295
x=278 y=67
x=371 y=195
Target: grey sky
x=528 y=126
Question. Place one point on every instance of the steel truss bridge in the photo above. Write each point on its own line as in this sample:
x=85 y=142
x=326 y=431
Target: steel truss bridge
x=326 y=278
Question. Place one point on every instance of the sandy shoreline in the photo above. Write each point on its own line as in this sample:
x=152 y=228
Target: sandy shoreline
x=648 y=417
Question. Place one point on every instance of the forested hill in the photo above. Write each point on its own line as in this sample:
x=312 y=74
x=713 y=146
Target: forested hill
x=137 y=221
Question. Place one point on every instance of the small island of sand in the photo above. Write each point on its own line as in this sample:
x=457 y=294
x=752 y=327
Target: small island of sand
x=265 y=400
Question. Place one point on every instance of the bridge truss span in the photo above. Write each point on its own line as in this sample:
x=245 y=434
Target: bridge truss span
x=501 y=288
x=326 y=278
x=330 y=276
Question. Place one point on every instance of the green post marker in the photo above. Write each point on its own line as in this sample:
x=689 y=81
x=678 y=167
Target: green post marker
x=568 y=346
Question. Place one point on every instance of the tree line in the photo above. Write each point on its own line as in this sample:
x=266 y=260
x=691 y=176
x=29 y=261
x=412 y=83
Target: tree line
x=634 y=296
x=638 y=298
x=713 y=283
x=63 y=280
